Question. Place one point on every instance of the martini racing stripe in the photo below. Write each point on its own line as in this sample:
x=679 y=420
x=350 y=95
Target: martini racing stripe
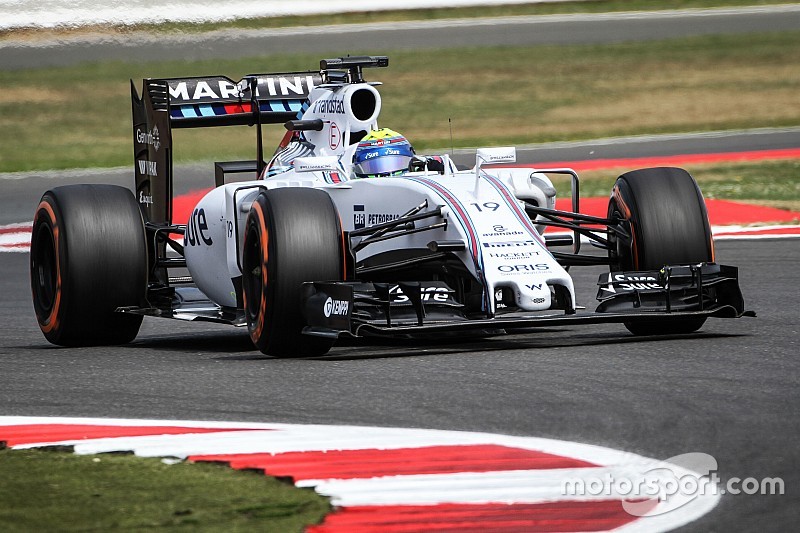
x=217 y=110
x=511 y=201
x=466 y=222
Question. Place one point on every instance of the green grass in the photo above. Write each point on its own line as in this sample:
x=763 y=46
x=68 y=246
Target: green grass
x=592 y=6
x=773 y=183
x=60 y=491
x=511 y=95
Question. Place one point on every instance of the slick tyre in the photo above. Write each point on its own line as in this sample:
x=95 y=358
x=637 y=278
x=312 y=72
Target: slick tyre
x=88 y=257
x=293 y=235
x=669 y=226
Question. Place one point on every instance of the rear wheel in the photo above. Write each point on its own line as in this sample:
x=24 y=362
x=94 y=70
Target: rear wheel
x=88 y=257
x=293 y=235
x=669 y=226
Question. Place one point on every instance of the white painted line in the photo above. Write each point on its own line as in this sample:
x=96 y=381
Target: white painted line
x=191 y=12
x=51 y=13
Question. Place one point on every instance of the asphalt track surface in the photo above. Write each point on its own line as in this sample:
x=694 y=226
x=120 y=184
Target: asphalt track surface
x=730 y=390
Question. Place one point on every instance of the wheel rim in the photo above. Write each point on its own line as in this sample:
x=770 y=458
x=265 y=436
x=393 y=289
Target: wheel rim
x=252 y=276
x=44 y=267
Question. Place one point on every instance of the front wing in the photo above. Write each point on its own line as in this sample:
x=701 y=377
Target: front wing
x=354 y=309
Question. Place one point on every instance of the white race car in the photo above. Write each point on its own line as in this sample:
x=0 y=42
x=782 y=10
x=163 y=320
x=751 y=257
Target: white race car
x=346 y=231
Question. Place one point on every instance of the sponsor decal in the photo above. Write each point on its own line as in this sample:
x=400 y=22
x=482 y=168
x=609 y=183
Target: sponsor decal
x=211 y=89
x=510 y=244
x=147 y=168
x=437 y=294
x=336 y=307
x=329 y=106
x=335 y=136
x=515 y=255
x=197 y=228
x=309 y=165
x=505 y=154
x=150 y=138
x=362 y=219
x=501 y=231
x=380 y=218
x=627 y=282
x=203 y=89
x=359 y=218
x=535 y=286
x=532 y=268
x=145 y=199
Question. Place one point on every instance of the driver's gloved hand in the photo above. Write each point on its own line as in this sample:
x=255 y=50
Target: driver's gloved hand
x=432 y=163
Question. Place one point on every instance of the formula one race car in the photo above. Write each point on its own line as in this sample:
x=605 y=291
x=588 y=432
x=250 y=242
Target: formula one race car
x=347 y=232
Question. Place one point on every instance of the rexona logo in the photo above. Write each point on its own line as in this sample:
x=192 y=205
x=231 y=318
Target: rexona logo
x=147 y=168
x=151 y=138
x=336 y=307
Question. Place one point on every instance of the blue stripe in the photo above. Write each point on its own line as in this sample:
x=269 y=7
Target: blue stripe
x=512 y=203
x=206 y=110
x=466 y=223
x=188 y=111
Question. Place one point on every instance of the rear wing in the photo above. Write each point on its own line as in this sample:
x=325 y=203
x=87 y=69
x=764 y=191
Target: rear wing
x=196 y=102
x=193 y=102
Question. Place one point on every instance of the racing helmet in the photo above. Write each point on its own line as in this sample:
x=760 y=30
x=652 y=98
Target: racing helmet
x=382 y=152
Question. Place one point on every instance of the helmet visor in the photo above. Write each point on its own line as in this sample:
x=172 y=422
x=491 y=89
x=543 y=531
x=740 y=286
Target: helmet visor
x=384 y=165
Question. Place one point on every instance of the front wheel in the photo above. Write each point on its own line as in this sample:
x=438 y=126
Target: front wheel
x=88 y=257
x=293 y=235
x=668 y=222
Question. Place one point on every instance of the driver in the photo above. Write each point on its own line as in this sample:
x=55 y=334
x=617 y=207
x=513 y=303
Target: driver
x=382 y=152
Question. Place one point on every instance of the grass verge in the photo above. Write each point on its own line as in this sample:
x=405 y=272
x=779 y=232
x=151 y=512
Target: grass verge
x=56 y=118
x=60 y=491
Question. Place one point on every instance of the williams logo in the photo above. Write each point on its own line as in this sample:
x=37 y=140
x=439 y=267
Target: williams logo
x=147 y=168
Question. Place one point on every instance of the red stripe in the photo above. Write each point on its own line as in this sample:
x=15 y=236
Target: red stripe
x=351 y=464
x=16 y=228
x=35 y=433
x=496 y=517
x=234 y=109
x=25 y=244
x=511 y=201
